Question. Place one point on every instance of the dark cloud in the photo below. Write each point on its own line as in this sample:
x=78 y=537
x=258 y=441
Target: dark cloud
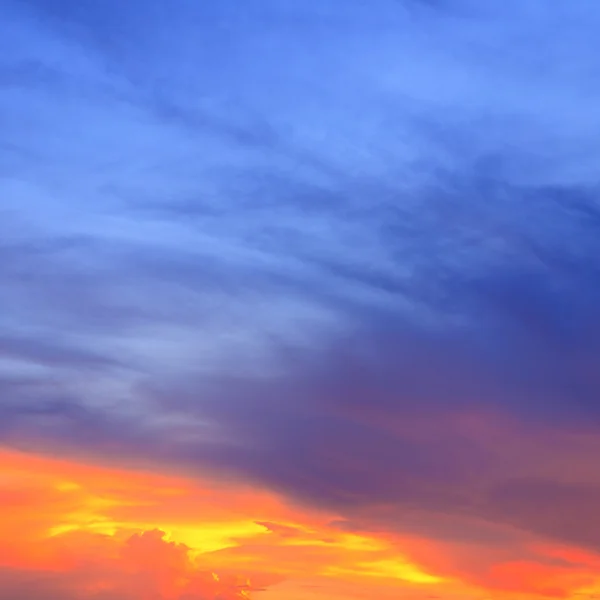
x=564 y=511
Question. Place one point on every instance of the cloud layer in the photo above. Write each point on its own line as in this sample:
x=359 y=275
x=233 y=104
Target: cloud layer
x=347 y=253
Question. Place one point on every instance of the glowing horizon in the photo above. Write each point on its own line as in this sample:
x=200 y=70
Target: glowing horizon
x=93 y=498
x=215 y=540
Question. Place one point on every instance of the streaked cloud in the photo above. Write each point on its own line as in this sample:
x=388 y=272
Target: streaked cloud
x=345 y=253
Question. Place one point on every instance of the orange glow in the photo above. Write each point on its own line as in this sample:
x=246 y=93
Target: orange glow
x=82 y=531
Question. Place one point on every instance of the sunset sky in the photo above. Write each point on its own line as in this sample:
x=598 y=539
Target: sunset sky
x=299 y=299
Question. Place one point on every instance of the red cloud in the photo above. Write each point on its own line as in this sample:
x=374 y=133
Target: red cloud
x=144 y=566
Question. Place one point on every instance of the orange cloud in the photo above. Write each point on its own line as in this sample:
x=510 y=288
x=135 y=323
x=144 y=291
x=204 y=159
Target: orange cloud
x=144 y=566
x=88 y=531
x=75 y=531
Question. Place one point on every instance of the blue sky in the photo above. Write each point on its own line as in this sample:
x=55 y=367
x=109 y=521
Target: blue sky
x=229 y=230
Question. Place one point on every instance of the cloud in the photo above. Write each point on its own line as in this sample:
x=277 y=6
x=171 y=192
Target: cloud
x=145 y=564
x=80 y=529
x=346 y=254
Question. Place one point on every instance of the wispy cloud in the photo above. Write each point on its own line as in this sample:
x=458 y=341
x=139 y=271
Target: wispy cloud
x=352 y=247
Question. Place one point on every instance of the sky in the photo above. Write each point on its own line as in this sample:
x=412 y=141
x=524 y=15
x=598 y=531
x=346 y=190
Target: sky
x=299 y=299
